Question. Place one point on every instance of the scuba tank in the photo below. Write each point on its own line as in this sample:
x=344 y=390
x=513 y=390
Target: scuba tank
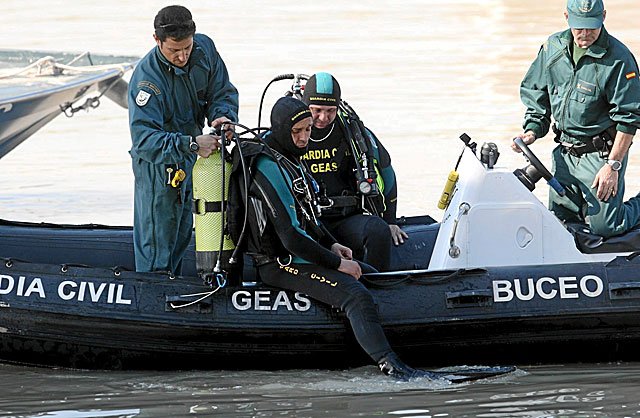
x=210 y=191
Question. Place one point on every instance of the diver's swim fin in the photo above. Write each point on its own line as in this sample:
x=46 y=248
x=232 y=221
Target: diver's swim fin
x=391 y=365
x=472 y=374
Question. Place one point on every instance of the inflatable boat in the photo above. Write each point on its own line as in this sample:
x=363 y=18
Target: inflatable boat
x=500 y=279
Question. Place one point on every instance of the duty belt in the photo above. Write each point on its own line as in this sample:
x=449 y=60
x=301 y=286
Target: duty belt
x=602 y=142
x=578 y=150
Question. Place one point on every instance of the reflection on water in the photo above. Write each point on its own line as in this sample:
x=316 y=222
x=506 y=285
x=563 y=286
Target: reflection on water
x=577 y=391
x=418 y=73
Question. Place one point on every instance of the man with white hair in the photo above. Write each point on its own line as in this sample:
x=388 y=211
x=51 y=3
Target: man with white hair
x=587 y=80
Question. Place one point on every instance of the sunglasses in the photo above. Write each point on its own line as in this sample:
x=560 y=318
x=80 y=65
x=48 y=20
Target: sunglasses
x=187 y=25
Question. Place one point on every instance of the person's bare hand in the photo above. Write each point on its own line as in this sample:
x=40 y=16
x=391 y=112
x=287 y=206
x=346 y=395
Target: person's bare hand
x=342 y=251
x=207 y=144
x=397 y=234
x=606 y=181
x=227 y=128
x=528 y=138
x=350 y=267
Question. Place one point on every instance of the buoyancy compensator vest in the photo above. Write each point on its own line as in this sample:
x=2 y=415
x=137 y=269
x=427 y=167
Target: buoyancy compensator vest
x=303 y=189
x=243 y=158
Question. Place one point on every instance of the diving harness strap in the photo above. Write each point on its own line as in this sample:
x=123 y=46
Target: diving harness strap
x=369 y=185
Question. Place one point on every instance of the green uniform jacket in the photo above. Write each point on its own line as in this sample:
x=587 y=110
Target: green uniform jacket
x=600 y=92
x=603 y=90
x=177 y=102
x=167 y=105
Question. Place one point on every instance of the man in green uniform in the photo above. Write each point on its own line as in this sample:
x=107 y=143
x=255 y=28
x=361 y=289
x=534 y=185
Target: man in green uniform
x=176 y=87
x=588 y=81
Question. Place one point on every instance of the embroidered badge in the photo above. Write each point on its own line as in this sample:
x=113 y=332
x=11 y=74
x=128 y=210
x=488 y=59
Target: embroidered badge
x=630 y=75
x=586 y=6
x=586 y=87
x=142 y=98
x=149 y=85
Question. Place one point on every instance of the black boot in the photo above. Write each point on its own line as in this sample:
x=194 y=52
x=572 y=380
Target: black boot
x=391 y=365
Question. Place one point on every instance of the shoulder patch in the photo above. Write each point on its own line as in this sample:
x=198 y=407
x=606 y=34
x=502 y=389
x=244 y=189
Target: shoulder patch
x=150 y=86
x=142 y=98
x=630 y=75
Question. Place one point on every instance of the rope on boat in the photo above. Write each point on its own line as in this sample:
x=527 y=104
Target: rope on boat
x=10 y=261
x=42 y=62
x=206 y=295
x=385 y=284
x=47 y=66
x=91 y=102
x=632 y=255
x=65 y=267
x=424 y=278
x=117 y=270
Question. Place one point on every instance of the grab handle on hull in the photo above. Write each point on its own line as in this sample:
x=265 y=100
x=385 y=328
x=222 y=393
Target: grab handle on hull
x=472 y=298
x=624 y=290
x=454 y=250
x=186 y=304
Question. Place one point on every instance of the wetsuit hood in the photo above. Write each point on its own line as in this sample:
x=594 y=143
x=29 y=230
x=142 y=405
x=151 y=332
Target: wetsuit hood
x=285 y=114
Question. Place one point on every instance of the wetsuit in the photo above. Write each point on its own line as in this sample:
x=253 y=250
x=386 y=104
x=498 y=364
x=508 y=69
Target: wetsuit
x=287 y=247
x=167 y=106
x=288 y=244
x=349 y=219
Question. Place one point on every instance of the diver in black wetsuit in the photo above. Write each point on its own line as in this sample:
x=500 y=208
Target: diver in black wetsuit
x=359 y=210
x=291 y=247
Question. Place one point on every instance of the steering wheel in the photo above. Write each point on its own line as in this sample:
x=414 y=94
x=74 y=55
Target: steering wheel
x=539 y=167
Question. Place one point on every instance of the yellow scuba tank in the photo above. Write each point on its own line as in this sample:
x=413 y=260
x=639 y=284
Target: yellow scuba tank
x=208 y=210
x=445 y=198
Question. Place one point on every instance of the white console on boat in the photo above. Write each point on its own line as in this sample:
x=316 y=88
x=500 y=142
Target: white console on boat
x=494 y=220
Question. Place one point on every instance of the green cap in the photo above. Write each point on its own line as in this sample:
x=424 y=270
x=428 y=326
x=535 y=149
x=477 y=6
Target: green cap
x=585 y=14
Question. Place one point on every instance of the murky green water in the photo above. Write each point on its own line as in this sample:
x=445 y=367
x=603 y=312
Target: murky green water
x=419 y=73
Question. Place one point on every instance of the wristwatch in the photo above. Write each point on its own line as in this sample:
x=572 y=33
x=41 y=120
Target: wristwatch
x=193 y=145
x=615 y=164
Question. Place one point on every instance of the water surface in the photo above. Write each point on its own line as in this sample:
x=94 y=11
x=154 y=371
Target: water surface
x=418 y=73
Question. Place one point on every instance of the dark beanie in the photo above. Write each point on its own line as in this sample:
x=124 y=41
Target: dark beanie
x=285 y=114
x=322 y=89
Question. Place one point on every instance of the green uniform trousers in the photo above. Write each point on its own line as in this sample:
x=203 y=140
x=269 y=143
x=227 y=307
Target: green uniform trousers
x=163 y=221
x=576 y=174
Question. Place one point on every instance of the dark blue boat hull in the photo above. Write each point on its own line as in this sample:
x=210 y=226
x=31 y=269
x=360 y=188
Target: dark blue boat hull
x=63 y=313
